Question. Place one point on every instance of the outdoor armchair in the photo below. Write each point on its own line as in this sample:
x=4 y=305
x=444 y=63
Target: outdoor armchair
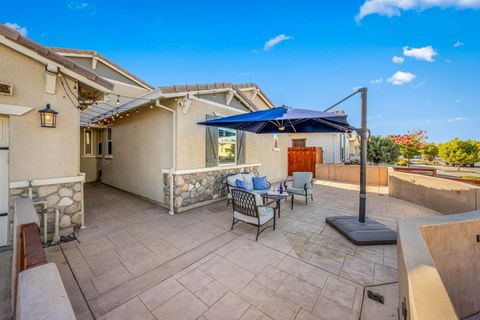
x=249 y=208
x=301 y=184
x=247 y=179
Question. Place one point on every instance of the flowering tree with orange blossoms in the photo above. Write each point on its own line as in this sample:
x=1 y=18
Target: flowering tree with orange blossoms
x=411 y=143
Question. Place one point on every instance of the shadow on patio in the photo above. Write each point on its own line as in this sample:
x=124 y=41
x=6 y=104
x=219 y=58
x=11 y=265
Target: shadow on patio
x=136 y=261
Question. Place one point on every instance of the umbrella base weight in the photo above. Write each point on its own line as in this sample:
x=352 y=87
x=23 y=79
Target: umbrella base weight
x=363 y=234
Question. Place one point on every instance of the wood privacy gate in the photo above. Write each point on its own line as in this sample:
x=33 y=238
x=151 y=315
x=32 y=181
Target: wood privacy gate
x=303 y=159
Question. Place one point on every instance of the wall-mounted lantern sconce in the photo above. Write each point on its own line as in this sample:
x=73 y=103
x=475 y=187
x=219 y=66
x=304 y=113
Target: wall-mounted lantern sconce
x=48 y=117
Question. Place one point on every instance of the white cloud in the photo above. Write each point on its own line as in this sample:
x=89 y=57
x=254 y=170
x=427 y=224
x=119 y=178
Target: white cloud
x=399 y=78
x=426 y=53
x=77 y=5
x=391 y=8
x=274 y=41
x=22 y=30
x=456 y=119
x=397 y=59
x=376 y=81
x=458 y=44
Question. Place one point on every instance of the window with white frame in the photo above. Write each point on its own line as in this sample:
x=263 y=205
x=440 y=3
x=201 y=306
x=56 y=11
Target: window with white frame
x=87 y=142
x=109 y=141
x=227 y=146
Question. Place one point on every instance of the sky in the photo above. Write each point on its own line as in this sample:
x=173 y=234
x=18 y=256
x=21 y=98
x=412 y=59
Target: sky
x=420 y=59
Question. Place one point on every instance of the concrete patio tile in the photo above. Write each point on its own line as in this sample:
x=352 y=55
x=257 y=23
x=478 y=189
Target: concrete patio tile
x=227 y=273
x=304 y=271
x=246 y=261
x=269 y=302
x=230 y=306
x=340 y=292
x=384 y=275
x=271 y=277
x=254 y=314
x=261 y=252
x=370 y=253
x=111 y=279
x=133 y=309
x=300 y=292
x=103 y=261
x=305 y=315
x=95 y=246
x=232 y=245
x=128 y=290
x=300 y=253
x=160 y=293
x=358 y=270
x=329 y=310
x=195 y=280
x=281 y=241
x=210 y=293
x=183 y=306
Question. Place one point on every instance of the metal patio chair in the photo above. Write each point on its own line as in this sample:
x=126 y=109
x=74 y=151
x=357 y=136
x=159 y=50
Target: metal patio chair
x=249 y=208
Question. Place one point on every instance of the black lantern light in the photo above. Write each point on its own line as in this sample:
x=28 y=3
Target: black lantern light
x=48 y=117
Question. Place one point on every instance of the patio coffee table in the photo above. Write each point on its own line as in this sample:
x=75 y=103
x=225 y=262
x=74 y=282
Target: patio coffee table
x=278 y=197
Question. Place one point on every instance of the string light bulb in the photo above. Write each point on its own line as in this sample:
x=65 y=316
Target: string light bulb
x=118 y=99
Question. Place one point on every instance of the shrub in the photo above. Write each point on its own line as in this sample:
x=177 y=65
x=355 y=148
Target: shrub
x=402 y=163
x=382 y=150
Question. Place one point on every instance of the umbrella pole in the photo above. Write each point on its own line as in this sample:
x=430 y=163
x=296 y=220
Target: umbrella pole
x=360 y=230
x=363 y=157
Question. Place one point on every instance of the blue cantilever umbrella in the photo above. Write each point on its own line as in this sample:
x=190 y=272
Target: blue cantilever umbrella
x=284 y=120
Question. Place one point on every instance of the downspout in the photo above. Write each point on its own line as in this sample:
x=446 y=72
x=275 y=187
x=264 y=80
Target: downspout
x=174 y=156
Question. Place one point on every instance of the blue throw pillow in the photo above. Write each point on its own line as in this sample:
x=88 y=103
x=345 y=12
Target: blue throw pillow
x=260 y=183
x=239 y=183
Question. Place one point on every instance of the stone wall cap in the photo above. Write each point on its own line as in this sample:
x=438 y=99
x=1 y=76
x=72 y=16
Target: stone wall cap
x=217 y=168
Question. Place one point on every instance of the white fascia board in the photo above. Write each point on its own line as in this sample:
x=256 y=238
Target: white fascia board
x=14 y=110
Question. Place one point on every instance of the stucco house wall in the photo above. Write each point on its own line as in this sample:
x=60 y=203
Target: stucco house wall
x=36 y=152
x=141 y=145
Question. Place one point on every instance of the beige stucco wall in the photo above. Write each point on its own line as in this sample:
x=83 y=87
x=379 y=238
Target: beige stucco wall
x=442 y=195
x=141 y=145
x=437 y=266
x=456 y=253
x=376 y=175
x=36 y=152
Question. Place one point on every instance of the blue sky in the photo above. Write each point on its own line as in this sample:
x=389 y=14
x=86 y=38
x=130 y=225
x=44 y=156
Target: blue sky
x=325 y=49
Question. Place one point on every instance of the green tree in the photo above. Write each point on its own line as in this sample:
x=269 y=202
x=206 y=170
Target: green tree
x=382 y=150
x=430 y=151
x=460 y=152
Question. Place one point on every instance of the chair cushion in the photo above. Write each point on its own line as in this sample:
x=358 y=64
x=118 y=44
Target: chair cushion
x=301 y=178
x=299 y=191
x=248 y=180
x=260 y=192
x=231 y=179
x=265 y=216
x=260 y=183
x=240 y=184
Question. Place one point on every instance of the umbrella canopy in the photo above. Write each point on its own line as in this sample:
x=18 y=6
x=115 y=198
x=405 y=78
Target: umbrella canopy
x=284 y=120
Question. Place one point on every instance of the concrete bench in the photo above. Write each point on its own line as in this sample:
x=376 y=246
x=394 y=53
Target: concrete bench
x=41 y=295
x=37 y=288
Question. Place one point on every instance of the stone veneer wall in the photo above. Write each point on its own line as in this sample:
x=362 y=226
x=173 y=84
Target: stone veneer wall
x=192 y=189
x=67 y=197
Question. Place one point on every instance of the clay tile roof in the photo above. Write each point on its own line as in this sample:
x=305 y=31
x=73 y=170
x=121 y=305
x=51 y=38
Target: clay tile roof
x=217 y=85
x=51 y=55
x=94 y=53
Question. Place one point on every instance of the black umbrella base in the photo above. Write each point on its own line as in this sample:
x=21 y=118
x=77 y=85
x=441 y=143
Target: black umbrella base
x=363 y=234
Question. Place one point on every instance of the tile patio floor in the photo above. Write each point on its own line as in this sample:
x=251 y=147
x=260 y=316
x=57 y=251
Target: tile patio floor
x=134 y=261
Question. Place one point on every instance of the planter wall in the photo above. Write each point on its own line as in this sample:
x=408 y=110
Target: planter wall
x=376 y=176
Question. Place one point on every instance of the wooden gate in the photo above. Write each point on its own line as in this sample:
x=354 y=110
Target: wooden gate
x=303 y=159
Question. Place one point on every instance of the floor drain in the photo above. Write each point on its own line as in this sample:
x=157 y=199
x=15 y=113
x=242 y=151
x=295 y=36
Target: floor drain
x=375 y=296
